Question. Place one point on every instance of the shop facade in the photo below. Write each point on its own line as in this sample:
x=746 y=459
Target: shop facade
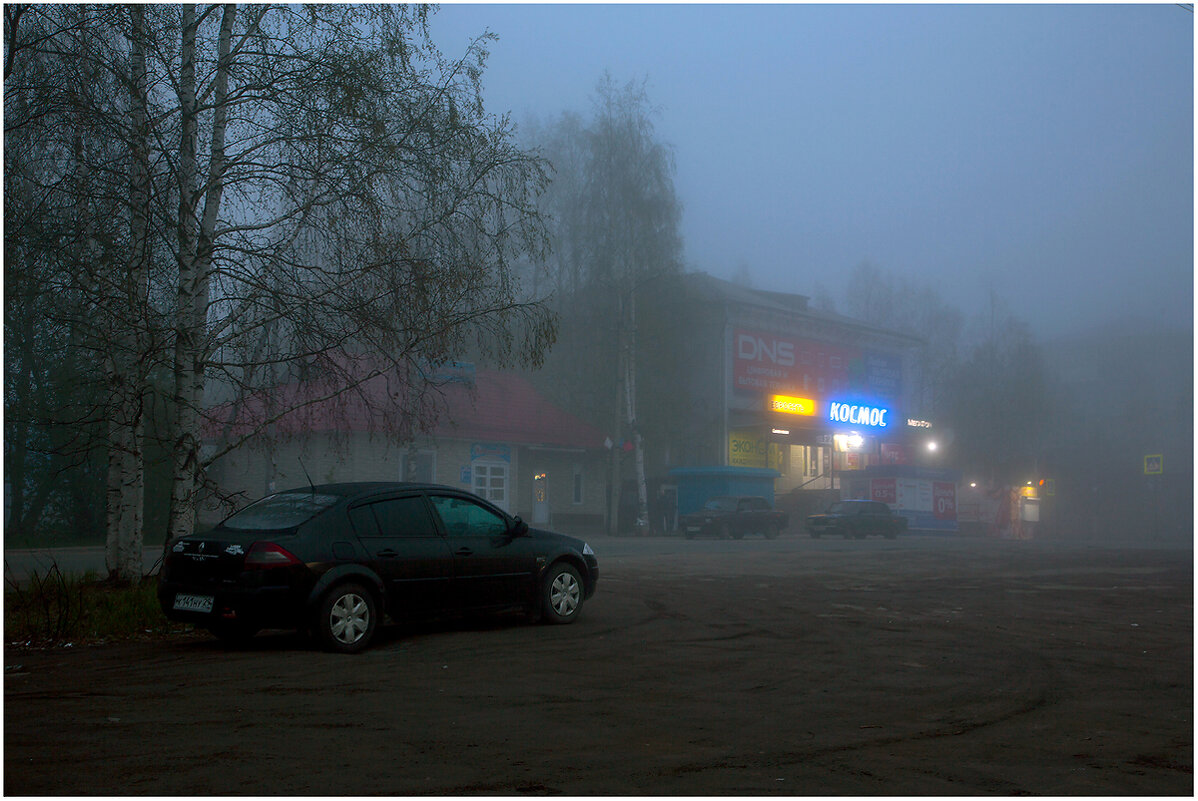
x=820 y=398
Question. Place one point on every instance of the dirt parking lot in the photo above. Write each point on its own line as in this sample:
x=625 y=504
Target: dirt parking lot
x=794 y=667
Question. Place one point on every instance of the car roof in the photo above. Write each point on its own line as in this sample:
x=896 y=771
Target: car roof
x=354 y=489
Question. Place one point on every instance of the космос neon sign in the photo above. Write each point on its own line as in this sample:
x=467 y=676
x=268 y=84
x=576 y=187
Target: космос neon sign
x=858 y=415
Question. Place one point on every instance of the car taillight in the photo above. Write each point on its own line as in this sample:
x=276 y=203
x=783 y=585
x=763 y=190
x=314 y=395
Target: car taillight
x=265 y=555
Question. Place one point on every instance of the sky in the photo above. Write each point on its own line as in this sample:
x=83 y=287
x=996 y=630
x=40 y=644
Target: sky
x=1042 y=153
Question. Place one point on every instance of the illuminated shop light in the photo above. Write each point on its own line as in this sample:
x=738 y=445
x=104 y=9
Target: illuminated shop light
x=781 y=431
x=848 y=442
x=786 y=404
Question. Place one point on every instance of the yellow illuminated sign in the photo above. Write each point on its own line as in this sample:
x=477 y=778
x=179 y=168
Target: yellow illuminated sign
x=787 y=404
x=748 y=449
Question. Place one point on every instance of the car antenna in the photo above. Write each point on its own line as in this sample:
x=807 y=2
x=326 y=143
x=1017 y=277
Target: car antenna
x=310 y=484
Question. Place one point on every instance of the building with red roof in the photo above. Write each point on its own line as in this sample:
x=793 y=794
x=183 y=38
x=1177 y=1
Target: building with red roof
x=491 y=432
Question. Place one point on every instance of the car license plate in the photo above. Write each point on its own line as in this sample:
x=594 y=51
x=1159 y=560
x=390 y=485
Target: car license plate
x=693 y=528
x=193 y=603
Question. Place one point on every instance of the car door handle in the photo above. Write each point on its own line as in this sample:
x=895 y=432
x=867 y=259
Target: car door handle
x=387 y=553
x=464 y=552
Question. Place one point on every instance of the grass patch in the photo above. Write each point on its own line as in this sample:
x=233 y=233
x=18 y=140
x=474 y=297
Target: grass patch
x=55 y=609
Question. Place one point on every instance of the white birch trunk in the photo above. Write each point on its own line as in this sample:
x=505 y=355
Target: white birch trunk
x=126 y=459
x=196 y=242
x=642 y=493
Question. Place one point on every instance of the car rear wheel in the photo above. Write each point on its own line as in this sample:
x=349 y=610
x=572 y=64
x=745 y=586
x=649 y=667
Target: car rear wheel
x=562 y=594
x=346 y=619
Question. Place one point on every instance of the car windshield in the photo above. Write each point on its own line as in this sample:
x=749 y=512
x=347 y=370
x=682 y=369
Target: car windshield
x=284 y=510
x=721 y=504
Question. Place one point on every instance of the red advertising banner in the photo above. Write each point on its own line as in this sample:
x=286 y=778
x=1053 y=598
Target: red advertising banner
x=944 y=500
x=884 y=490
x=763 y=362
x=892 y=453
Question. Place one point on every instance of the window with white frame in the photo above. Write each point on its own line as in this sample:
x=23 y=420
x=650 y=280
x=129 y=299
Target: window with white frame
x=490 y=481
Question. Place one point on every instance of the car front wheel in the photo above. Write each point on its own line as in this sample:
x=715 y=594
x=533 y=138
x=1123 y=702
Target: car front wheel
x=562 y=594
x=347 y=619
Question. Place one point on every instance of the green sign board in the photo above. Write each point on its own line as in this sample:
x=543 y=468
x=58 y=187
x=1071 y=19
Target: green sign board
x=1154 y=464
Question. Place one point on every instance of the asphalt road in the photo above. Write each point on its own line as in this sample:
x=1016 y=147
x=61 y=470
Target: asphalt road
x=20 y=563
x=922 y=666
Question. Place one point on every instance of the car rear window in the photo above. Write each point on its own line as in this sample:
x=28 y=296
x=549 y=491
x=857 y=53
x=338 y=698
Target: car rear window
x=283 y=510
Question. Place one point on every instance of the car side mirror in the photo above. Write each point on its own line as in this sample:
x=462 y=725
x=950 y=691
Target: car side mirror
x=519 y=527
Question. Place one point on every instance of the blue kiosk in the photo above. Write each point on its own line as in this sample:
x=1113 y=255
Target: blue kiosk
x=697 y=484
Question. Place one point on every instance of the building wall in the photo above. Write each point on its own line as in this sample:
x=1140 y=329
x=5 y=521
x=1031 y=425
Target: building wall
x=250 y=473
x=694 y=415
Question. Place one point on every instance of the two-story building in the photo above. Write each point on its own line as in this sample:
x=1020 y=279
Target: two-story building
x=735 y=377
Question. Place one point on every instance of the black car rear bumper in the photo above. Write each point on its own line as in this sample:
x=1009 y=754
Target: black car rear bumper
x=261 y=607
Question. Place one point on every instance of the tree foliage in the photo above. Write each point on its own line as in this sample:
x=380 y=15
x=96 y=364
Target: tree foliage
x=217 y=200
x=998 y=398
x=614 y=218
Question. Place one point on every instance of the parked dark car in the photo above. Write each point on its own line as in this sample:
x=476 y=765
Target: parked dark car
x=734 y=516
x=857 y=518
x=332 y=559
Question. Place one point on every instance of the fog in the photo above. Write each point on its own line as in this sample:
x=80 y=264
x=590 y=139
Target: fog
x=1044 y=153
x=510 y=293
x=940 y=162
x=980 y=215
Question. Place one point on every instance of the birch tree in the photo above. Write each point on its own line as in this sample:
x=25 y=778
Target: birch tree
x=290 y=191
x=616 y=228
x=76 y=234
x=394 y=207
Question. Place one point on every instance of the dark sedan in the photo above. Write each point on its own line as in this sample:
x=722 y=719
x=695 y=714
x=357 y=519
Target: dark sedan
x=333 y=558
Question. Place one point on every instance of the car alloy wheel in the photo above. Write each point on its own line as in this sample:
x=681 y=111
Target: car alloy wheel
x=347 y=619
x=563 y=594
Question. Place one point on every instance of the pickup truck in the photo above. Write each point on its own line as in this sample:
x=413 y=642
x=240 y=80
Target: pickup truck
x=857 y=519
x=734 y=516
